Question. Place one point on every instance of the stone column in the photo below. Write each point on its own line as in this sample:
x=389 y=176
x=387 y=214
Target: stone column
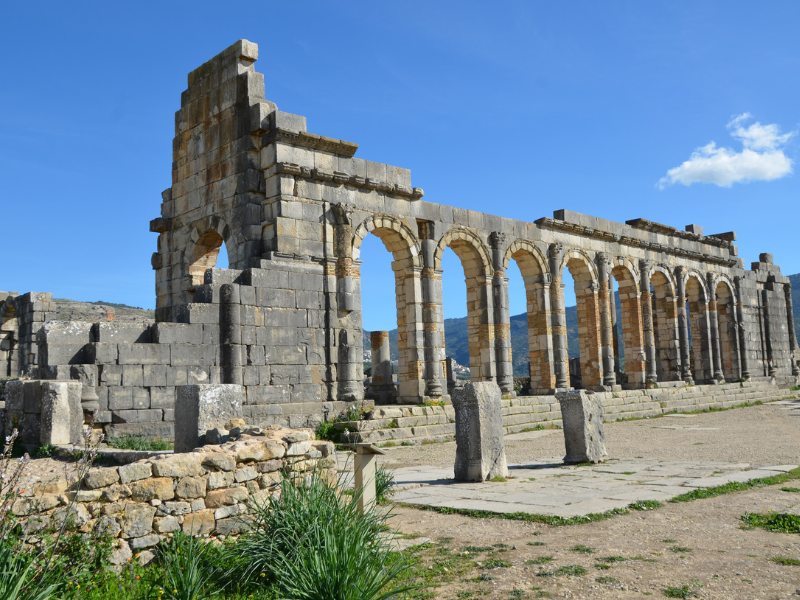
x=773 y=370
x=502 y=317
x=683 y=325
x=604 y=297
x=230 y=333
x=431 y=307
x=558 y=312
x=382 y=387
x=744 y=353
x=451 y=375
x=614 y=323
x=787 y=289
x=651 y=377
x=713 y=317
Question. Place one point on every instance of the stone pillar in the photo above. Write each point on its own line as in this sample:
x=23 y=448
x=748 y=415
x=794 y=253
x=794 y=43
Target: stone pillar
x=480 y=454
x=230 y=333
x=683 y=325
x=604 y=297
x=772 y=368
x=199 y=408
x=787 y=289
x=432 y=314
x=382 y=388
x=451 y=375
x=744 y=353
x=651 y=377
x=559 y=315
x=582 y=419
x=502 y=316
x=713 y=316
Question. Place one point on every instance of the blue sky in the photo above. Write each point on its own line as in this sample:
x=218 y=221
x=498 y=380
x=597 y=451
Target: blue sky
x=514 y=108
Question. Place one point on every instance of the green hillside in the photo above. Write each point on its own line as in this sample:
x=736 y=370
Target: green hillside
x=457 y=343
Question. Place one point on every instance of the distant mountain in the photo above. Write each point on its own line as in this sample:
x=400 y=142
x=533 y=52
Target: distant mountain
x=457 y=341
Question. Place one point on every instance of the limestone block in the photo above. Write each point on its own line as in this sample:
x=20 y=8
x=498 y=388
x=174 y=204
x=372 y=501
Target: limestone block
x=177 y=466
x=135 y=472
x=224 y=497
x=582 y=418
x=480 y=453
x=137 y=520
x=61 y=423
x=220 y=460
x=101 y=477
x=201 y=407
x=199 y=523
x=191 y=487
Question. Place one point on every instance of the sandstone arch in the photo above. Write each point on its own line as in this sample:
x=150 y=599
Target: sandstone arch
x=630 y=318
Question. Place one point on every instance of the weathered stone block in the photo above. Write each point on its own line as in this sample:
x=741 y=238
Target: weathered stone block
x=157 y=488
x=480 y=453
x=99 y=477
x=191 y=487
x=199 y=408
x=177 y=466
x=137 y=520
x=135 y=472
x=582 y=418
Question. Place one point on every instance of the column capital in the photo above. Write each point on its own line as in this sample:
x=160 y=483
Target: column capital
x=554 y=250
x=497 y=239
x=645 y=266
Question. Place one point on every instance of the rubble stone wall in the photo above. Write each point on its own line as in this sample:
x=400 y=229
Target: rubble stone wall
x=205 y=492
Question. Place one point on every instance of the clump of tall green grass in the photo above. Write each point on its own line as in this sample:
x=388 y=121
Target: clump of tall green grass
x=311 y=543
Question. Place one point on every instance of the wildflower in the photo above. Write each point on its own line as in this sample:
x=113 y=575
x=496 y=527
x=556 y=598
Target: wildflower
x=263 y=574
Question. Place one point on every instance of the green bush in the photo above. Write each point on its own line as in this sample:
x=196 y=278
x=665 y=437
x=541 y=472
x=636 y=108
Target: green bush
x=189 y=568
x=780 y=522
x=311 y=542
x=326 y=430
x=384 y=480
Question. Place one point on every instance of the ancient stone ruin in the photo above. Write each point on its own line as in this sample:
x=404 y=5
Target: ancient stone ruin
x=284 y=321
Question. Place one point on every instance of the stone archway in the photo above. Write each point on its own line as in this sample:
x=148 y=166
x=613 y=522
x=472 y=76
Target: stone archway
x=630 y=318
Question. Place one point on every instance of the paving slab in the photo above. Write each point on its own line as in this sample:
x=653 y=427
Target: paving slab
x=548 y=487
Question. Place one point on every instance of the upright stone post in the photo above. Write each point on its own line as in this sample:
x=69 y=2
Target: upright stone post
x=606 y=325
x=364 y=466
x=787 y=290
x=480 y=453
x=683 y=325
x=502 y=316
x=382 y=388
x=651 y=376
x=199 y=408
x=230 y=333
x=559 y=316
x=713 y=316
x=771 y=366
x=349 y=369
x=745 y=350
x=582 y=419
x=451 y=375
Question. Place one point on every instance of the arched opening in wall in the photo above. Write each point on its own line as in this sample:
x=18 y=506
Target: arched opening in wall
x=530 y=331
x=587 y=315
x=454 y=305
x=379 y=313
x=697 y=318
x=628 y=334
x=404 y=284
x=665 y=327
x=728 y=338
x=479 y=342
x=518 y=321
x=573 y=334
x=8 y=341
x=204 y=256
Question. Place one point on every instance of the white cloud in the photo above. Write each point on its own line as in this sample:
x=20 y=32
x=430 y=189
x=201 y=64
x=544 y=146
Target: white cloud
x=761 y=158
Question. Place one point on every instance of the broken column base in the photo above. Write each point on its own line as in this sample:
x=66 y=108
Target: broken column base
x=199 y=408
x=582 y=418
x=480 y=453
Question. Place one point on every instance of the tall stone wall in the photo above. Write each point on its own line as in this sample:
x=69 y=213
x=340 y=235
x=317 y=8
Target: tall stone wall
x=285 y=321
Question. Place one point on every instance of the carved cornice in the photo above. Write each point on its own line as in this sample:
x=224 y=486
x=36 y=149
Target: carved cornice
x=341 y=178
x=599 y=234
x=311 y=141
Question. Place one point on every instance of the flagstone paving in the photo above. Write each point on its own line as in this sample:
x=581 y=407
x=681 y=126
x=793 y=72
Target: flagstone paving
x=548 y=487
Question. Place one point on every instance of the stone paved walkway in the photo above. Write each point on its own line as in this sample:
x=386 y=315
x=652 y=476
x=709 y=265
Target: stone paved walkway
x=549 y=487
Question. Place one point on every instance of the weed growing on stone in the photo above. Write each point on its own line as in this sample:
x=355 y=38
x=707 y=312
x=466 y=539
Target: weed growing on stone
x=139 y=442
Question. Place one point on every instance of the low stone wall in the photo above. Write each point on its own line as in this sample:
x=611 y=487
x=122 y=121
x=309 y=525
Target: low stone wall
x=202 y=493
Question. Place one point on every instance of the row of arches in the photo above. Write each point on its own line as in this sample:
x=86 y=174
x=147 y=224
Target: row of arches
x=672 y=325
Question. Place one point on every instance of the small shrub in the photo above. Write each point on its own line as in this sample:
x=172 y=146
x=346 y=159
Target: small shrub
x=326 y=430
x=606 y=580
x=429 y=402
x=613 y=559
x=569 y=570
x=536 y=544
x=645 y=505
x=540 y=560
x=680 y=549
x=476 y=549
x=779 y=522
x=44 y=451
x=790 y=489
x=785 y=561
x=581 y=549
x=679 y=592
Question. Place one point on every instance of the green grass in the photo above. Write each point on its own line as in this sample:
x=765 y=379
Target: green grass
x=495 y=563
x=569 y=570
x=498 y=479
x=541 y=560
x=679 y=549
x=736 y=486
x=778 y=522
x=645 y=505
x=139 y=442
x=790 y=489
x=476 y=549
x=581 y=549
x=606 y=580
x=613 y=559
x=537 y=544
x=785 y=561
